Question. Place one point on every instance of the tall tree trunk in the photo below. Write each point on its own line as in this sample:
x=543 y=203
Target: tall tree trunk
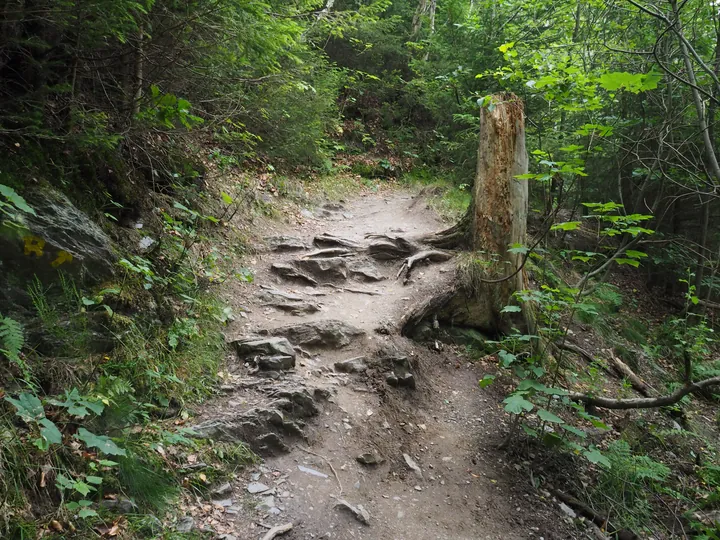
x=496 y=221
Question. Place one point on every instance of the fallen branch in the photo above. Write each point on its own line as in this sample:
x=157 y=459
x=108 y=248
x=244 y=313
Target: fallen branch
x=277 y=531
x=645 y=403
x=597 y=519
x=624 y=371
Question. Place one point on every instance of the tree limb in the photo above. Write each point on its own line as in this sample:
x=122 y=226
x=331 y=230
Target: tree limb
x=645 y=403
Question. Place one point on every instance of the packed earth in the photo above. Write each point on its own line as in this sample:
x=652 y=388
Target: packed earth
x=365 y=434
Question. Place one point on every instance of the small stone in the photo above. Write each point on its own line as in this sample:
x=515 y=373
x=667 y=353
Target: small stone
x=222 y=489
x=369 y=458
x=312 y=472
x=568 y=511
x=185 y=525
x=224 y=503
x=267 y=504
x=352 y=365
x=418 y=488
x=414 y=466
x=257 y=487
x=362 y=515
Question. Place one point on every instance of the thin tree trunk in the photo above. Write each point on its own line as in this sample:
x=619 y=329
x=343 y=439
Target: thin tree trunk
x=138 y=78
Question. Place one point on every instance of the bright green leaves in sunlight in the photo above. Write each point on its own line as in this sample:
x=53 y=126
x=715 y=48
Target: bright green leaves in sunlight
x=632 y=82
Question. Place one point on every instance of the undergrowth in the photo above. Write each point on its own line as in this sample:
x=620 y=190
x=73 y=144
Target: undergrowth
x=91 y=424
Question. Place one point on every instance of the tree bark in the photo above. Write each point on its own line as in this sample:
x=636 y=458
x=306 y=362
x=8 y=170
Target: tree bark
x=496 y=220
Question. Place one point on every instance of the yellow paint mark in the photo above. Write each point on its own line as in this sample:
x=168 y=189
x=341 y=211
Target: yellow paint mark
x=62 y=257
x=34 y=244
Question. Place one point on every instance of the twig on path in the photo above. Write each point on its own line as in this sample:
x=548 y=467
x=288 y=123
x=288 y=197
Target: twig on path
x=277 y=531
x=326 y=461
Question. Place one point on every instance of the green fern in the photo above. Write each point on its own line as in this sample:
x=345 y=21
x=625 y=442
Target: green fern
x=12 y=338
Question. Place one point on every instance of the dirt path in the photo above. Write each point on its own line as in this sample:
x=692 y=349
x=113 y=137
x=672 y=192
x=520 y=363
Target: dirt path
x=313 y=421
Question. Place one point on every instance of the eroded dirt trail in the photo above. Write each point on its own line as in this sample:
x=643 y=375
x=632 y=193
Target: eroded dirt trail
x=353 y=411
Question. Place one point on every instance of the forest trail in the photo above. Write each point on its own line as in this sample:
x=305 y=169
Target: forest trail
x=404 y=404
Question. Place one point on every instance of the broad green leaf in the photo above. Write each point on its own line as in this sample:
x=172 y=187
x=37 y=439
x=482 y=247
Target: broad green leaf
x=631 y=262
x=107 y=463
x=575 y=431
x=50 y=432
x=566 y=226
x=595 y=456
x=101 y=442
x=227 y=199
x=516 y=404
x=16 y=200
x=94 y=480
x=635 y=254
x=28 y=406
x=86 y=513
x=511 y=309
x=530 y=384
x=547 y=416
x=529 y=431
x=63 y=482
x=82 y=488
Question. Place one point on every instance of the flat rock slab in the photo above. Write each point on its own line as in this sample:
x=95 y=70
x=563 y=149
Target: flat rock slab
x=365 y=271
x=328 y=333
x=285 y=243
x=330 y=240
x=289 y=271
x=295 y=308
x=352 y=365
x=271 y=295
x=272 y=346
x=276 y=363
x=323 y=269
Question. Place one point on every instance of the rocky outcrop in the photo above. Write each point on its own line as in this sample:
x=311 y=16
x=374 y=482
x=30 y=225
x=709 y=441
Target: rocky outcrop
x=328 y=333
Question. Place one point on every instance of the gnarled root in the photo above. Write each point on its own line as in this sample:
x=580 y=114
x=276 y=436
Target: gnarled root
x=410 y=262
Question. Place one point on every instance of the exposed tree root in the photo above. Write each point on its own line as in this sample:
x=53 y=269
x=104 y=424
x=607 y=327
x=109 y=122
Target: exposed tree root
x=456 y=237
x=411 y=321
x=389 y=248
x=329 y=252
x=277 y=531
x=410 y=262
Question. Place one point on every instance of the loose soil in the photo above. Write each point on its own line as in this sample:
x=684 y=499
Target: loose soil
x=447 y=425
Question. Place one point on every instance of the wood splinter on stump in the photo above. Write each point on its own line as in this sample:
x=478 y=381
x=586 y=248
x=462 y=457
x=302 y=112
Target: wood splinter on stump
x=495 y=221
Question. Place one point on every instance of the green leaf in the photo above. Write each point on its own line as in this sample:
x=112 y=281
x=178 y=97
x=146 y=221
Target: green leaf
x=506 y=47
x=227 y=199
x=86 y=513
x=511 y=309
x=94 y=480
x=575 y=431
x=486 y=381
x=63 y=482
x=547 y=416
x=530 y=384
x=516 y=404
x=16 y=200
x=88 y=301
x=107 y=463
x=635 y=254
x=631 y=262
x=595 y=456
x=50 y=432
x=567 y=226
x=82 y=488
x=101 y=442
x=28 y=406
x=529 y=431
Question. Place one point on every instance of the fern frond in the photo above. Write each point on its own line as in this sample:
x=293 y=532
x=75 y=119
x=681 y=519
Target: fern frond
x=12 y=338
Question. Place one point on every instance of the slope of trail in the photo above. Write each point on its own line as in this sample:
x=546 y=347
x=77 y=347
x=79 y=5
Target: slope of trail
x=438 y=474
